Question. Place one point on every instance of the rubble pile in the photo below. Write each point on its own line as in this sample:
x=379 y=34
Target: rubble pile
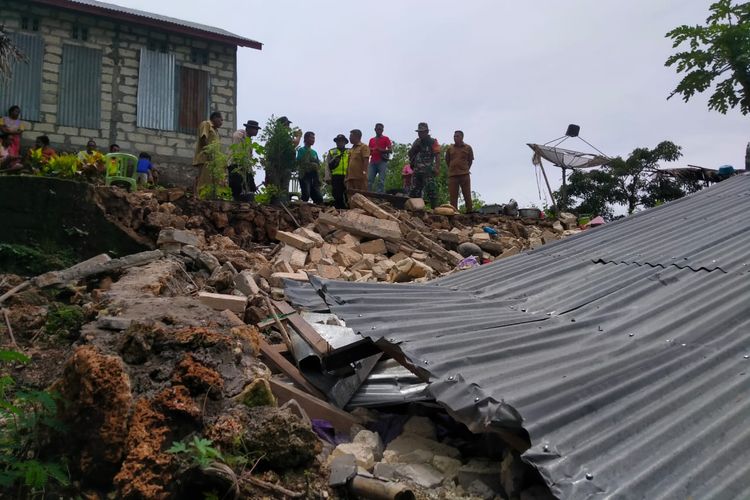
x=193 y=341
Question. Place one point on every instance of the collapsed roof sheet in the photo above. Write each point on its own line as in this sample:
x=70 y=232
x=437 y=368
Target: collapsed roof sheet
x=624 y=352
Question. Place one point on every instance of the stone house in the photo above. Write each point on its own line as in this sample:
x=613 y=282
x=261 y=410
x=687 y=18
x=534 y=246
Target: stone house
x=117 y=75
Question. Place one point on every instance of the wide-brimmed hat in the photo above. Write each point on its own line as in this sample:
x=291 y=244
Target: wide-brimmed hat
x=251 y=124
x=283 y=119
x=422 y=127
x=341 y=137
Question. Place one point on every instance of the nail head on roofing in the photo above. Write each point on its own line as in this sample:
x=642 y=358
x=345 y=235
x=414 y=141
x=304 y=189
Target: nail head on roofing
x=572 y=320
x=589 y=476
x=359 y=315
x=476 y=400
x=601 y=329
x=372 y=328
x=451 y=377
x=426 y=362
x=684 y=345
x=545 y=448
x=631 y=334
x=746 y=356
x=523 y=310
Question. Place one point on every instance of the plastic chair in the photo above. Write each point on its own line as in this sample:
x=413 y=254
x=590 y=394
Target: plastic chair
x=121 y=167
x=294 y=189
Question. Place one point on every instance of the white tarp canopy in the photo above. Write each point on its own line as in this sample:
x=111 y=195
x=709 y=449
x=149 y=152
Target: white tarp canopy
x=566 y=158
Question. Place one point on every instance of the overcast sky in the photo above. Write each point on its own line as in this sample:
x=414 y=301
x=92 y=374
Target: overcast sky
x=505 y=72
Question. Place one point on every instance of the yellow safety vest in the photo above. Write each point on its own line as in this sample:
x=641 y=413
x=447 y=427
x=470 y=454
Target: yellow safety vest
x=343 y=165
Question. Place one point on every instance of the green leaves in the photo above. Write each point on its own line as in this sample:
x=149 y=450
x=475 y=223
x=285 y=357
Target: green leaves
x=721 y=46
x=200 y=450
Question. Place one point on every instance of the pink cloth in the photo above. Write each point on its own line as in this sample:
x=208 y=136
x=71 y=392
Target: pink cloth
x=407 y=170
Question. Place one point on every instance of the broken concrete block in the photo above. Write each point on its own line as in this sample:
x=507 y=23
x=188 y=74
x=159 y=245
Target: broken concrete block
x=449 y=236
x=486 y=471
x=190 y=251
x=310 y=235
x=448 y=466
x=399 y=257
x=363 y=454
x=295 y=240
x=277 y=279
x=347 y=256
x=223 y=277
x=180 y=236
x=282 y=266
x=535 y=242
x=374 y=247
x=314 y=256
x=420 y=256
x=414 y=204
x=371 y=440
x=568 y=220
x=363 y=225
x=171 y=248
x=492 y=247
x=296 y=258
x=221 y=302
x=478 y=237
x=420 y=426
x=328 y=272
x=423 y=475
x=113 y=323
x=549 y=237
x=245 y=283
x=209 y=261
x=346 y=239
x=510 y=252
x=558 y=227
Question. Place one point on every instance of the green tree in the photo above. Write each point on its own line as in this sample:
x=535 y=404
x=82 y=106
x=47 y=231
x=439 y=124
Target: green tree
x=721 y=47
x=280 y=155
x=634 y=182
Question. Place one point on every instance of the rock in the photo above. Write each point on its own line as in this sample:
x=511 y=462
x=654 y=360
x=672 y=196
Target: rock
x=422 y=475
x=414 y=204
x=385 y=470
x=477 y=488
x=558 y=227
x=190 y=251
x=445 y=210
x=209 y=261
x=347 y=256
x=373 y=247
x=492 y=247
x=180 y=236
x=535 y=242
x=362 y=453
x=295 y=240
x=363 y=225
x=485 y=471
x=448 y=466
x=257 y=393
x=371 y=440
x=113 y=323
x=245 y=283
x=510 y=252
x=314 y=256
x=420 y=426
x=278 y=436
x=223 y=277
x=407 y=443
x=469 y=249
x=549 y=237
x=568 y=220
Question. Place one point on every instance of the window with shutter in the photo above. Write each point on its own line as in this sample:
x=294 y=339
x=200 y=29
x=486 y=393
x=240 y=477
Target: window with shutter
x=156 y=90
x=80 y=95
x=193 y=99
x=24 y=88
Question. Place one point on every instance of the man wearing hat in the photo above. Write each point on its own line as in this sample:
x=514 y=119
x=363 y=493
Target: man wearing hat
x=236 y=179
x=424 y=158
x=338 y=165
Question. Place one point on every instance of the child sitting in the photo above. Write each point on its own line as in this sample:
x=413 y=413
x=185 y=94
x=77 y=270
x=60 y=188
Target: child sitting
x=144 y=169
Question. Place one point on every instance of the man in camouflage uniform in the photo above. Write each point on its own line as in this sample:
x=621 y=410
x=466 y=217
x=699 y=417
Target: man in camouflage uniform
x=424 y=157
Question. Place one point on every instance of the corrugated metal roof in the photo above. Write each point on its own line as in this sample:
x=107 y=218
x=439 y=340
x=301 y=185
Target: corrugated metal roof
x=624 y=352
x=150 y=19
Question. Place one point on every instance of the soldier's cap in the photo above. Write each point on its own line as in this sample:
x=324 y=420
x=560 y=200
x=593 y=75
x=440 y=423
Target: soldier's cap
x=422 y=127
x=341 y=137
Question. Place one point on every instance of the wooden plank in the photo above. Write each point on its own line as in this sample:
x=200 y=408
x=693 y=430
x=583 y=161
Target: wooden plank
x=314 y=407
x=278 y=362
x=303 y=328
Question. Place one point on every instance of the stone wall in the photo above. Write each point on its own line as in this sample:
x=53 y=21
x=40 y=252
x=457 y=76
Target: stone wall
x=120 y=43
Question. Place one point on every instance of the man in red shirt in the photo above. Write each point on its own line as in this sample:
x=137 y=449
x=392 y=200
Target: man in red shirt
x=380 y=153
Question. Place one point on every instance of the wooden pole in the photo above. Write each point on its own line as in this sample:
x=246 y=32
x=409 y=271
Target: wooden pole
x=552 y=196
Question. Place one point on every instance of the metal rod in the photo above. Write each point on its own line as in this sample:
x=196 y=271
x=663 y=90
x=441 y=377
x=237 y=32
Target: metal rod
x=376 y=489
x=548 y=186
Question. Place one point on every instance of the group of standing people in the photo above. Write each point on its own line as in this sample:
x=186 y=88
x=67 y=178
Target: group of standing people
x=359 y=167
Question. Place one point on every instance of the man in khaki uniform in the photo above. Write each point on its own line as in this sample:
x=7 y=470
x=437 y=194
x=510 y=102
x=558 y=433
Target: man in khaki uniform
x=359 y=159
x=208 y=133
x=459 y=158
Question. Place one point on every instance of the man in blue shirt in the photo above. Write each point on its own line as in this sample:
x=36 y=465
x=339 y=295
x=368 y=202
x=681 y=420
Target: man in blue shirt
x=308 y=166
